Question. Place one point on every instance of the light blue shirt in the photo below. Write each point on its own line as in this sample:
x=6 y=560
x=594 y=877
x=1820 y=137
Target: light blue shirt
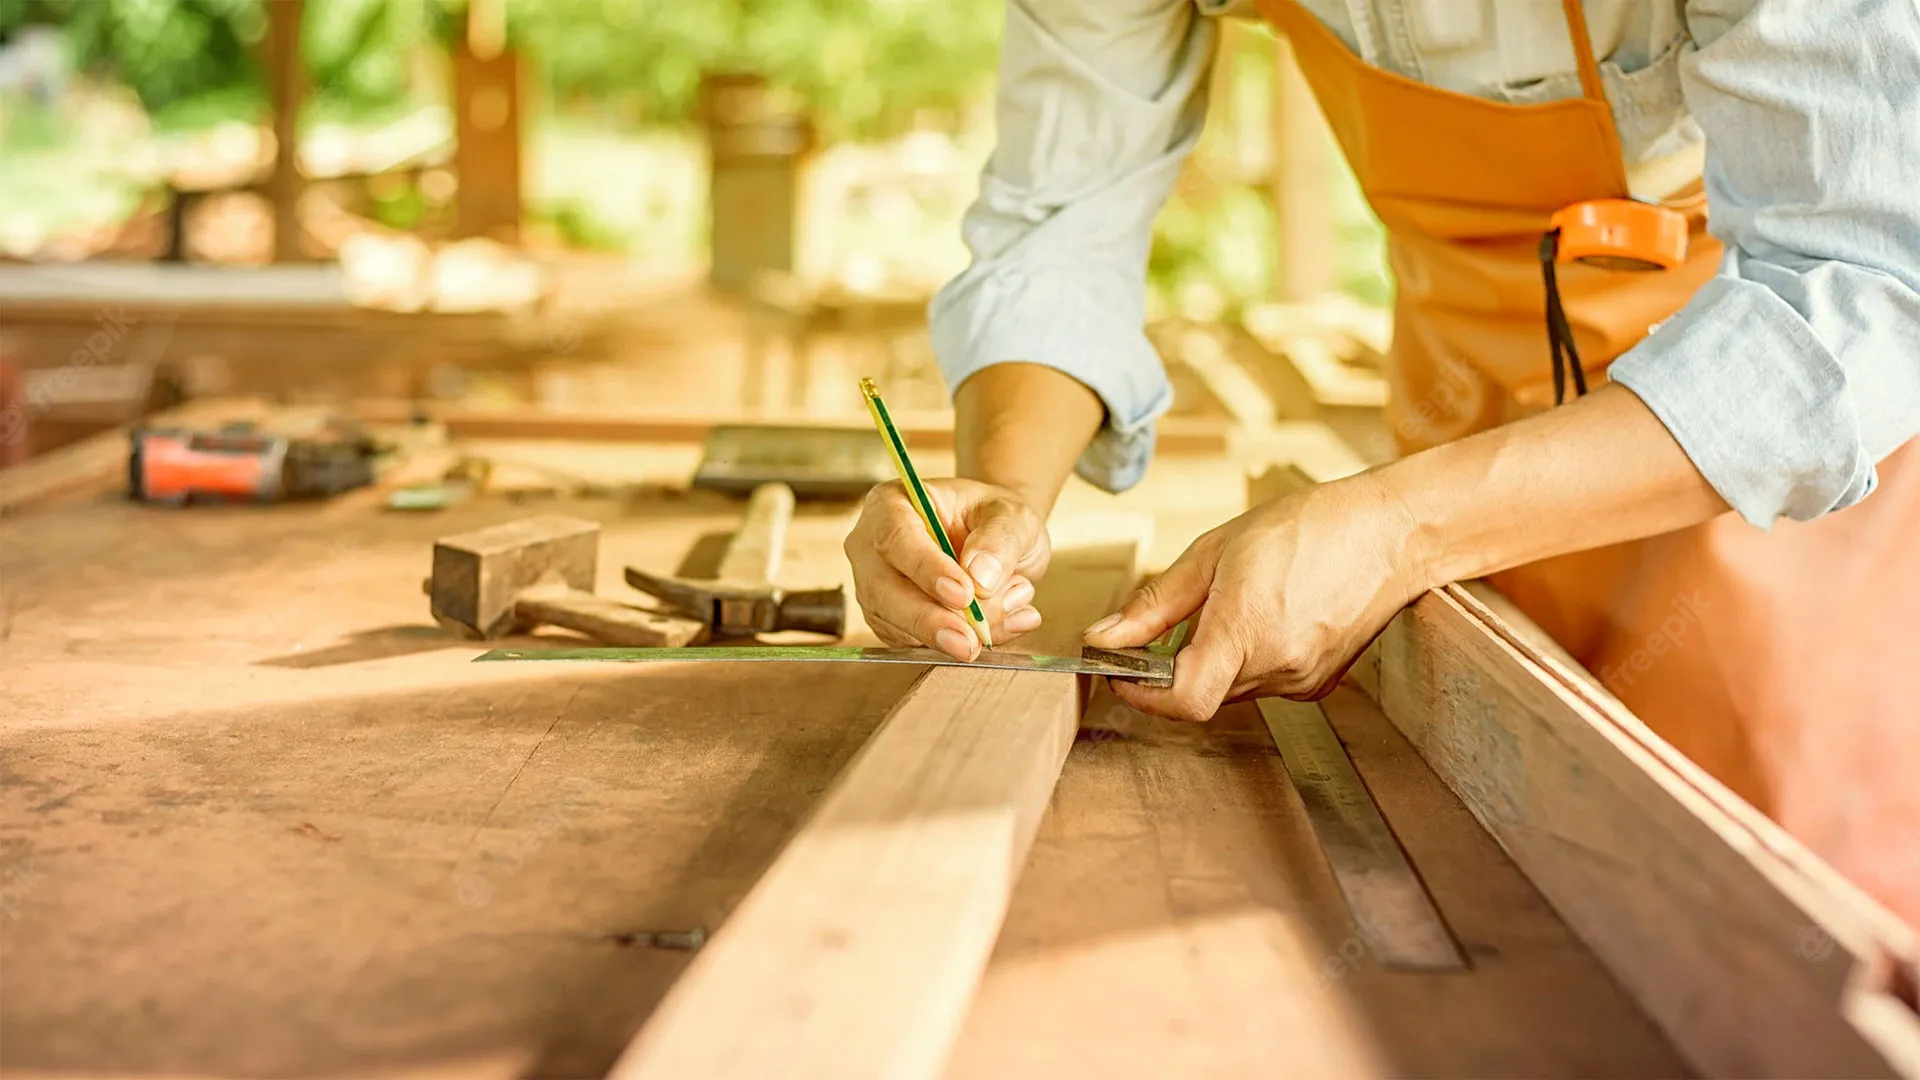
x=1785 y=379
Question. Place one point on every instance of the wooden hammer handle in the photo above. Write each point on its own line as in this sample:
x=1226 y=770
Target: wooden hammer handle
x=605 y=620
x=754 y=553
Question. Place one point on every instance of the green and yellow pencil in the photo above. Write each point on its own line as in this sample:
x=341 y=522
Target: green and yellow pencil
x=917 y=494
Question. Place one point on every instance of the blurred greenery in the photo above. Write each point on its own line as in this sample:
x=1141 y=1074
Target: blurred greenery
x=621 y=79
x=862 y=67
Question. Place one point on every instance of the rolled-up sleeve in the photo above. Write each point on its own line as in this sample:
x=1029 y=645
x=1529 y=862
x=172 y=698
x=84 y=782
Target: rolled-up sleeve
x=1100 y=102
x=1797 y=368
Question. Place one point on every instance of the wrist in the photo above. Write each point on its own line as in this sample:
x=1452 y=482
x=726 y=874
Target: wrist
x=1416 y=525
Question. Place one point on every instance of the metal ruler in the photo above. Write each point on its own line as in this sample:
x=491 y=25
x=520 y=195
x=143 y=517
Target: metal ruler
x=1151 y=670
x=1391 y=909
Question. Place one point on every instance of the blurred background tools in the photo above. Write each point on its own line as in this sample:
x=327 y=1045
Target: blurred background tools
x=239 y=463
x=510 y=578
x=817 y=462
x=742 y=599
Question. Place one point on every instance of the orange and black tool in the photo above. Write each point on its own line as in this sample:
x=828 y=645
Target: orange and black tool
x=1612 y=234
x=174 y=467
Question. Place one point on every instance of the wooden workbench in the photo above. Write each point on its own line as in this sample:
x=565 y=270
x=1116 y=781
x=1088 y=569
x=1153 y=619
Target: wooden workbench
x=259 y=816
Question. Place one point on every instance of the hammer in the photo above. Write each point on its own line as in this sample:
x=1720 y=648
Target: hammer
x=512 y=577
x=742 y=600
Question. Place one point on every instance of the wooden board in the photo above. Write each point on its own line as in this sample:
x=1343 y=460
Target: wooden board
x=1177 y=918
x=258 y=816
x=1722 y=925
x=1754 y=966
x=922 y=430
x=857 y=953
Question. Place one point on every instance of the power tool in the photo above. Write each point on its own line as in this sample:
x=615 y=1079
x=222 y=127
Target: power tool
x=238 y=463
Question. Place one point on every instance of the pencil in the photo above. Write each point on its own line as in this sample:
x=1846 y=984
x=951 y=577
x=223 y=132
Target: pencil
x=917 y=494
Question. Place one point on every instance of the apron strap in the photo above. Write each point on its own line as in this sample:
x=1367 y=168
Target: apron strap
x=1583 y=52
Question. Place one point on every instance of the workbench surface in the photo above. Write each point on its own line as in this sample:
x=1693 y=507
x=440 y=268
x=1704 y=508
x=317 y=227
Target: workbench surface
x=260 y=816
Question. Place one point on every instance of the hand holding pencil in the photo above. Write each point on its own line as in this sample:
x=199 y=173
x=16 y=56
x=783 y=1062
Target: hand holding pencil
x=971 y=591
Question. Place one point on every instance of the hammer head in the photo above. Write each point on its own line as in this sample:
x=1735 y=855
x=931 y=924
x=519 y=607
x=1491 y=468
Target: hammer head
x=736 y=609
x=477 y=575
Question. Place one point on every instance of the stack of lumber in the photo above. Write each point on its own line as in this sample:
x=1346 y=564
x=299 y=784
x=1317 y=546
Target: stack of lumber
x=262 y=818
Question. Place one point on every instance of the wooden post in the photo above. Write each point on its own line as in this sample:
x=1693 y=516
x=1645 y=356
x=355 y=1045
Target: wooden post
x=286 y=85
x=756 y=152
x=1302 y=184
x=487 y=116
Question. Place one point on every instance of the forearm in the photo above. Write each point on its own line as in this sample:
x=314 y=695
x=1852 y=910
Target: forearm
x=1022 y=427
x=1600 y=471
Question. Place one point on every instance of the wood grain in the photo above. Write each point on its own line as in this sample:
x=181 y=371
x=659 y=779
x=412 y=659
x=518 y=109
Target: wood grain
x=605 y=620
x=859 y=951
x=1752 y=965
x=1178 y=919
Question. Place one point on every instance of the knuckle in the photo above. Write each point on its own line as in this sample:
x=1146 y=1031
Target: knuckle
x=894 y=536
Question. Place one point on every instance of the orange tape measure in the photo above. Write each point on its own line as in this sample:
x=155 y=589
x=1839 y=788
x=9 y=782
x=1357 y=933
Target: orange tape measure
x=1621 y=234
x=1612 y=234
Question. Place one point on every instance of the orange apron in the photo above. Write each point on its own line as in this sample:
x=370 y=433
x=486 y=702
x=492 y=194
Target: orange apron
x=1786 y=663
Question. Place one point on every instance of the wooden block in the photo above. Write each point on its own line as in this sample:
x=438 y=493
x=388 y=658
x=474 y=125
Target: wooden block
x=478 y=576
x=1751 y=957
x=858 y=952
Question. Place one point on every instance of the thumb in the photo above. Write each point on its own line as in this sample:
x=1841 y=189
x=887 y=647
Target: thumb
x=1157 y=606
x=1203 y=674
x=1000 y=532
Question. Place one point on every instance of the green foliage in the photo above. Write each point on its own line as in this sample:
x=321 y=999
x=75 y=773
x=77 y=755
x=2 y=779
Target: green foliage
x=862 y=66
x=166 y=50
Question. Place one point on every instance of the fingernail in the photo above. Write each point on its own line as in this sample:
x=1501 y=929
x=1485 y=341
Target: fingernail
x=985 y=570
x=1023 y=621
x=952 y=592
x=1021 y=595
x=1105 y=624
x=954 y=644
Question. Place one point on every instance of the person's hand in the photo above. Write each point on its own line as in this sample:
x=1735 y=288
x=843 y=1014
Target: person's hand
x=1287 y=594
x=913 y=594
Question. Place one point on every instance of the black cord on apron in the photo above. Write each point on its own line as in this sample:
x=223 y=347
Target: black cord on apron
x=1559 y=330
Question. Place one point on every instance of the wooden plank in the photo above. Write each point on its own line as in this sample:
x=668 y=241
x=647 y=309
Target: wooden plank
x=286 y=81
x=922 y=430
x=1201 y=352
x=1728 y=934
x=95 y=460
x=859 y=951
x=487 y=157
x=306 y=837
x=1302 y=183
x=1213 y=941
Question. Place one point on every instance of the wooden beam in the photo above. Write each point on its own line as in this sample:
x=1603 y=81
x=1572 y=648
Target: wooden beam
x=487 y=107
x=1752 y=954
x=858 y=953
x=1302 y=183
x=287 y=83
x=922 y=430
x=1749 y=952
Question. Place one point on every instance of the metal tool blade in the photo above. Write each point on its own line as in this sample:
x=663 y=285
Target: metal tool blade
x=738 y=654
x=1391 y=909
